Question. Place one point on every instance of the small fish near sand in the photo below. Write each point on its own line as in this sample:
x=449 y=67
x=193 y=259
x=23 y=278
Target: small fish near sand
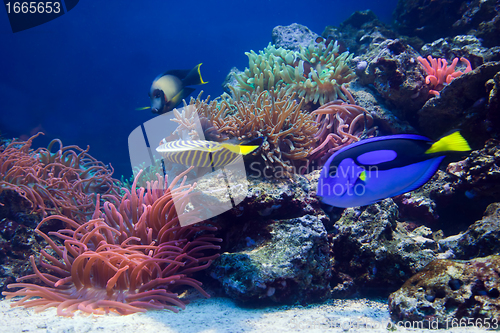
x=201 y=153
x=377 y=168
x=170 y=88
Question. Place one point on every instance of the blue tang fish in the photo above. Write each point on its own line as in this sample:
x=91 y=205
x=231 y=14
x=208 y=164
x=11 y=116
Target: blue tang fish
x=377 y=168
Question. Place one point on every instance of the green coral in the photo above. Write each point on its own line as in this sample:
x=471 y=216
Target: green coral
x=273 y=67
x=149 y=174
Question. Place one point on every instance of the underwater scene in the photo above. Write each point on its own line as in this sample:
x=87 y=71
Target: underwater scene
x=250 y=166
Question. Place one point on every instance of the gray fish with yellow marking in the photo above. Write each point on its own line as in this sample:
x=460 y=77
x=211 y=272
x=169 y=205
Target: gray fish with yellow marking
x=170 y=88
x=201 y=153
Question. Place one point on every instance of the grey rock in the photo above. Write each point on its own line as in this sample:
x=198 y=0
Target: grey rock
x=430 y=20
x=358 y=18
x=385 y=120
x=459 y=106
x=449 y=292
x=18 y=241
x=479 y=173
x=480 y=239
x=293 y=36
x=360 y=32
x=230 y=80
x=415 y=206
x=375 y=250
x=467 y=46
x=290 y=264
x=394 y=72
x=276 y=198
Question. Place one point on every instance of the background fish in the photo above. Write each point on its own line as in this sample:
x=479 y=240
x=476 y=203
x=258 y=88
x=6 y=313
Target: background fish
x=171 y=87
x=377 y=168
x=201 y=153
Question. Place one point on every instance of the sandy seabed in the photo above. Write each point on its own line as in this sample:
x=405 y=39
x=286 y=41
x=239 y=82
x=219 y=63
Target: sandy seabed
x=218 y=315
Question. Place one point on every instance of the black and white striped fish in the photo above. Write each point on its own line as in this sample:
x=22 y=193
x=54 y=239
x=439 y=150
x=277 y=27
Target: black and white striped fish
x=201 y=153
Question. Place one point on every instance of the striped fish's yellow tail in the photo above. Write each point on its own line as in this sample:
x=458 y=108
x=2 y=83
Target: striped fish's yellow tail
x=239 y=149
x=452 y=142
x=244 y=148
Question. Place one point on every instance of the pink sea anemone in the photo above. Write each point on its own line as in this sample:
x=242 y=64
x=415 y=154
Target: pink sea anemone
x=340 y=124
x=63 y=182
x=126 y=259
x=439 y=73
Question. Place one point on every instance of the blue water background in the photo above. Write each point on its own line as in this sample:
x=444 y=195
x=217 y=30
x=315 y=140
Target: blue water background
x=81 y=76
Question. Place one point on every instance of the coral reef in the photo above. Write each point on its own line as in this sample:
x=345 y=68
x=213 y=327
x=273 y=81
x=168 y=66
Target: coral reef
x=446 y=293
x=439 y=73
x=373 y=249
x=315 y=73
x=294 y=142
x=275 y=245
x=126 y=259
x=103 y=250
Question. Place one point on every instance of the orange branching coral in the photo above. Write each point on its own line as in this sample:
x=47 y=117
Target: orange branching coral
x=276 y=116
x=125 y=260
x=439 y=73
x=60 y=183
x=340 y=124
